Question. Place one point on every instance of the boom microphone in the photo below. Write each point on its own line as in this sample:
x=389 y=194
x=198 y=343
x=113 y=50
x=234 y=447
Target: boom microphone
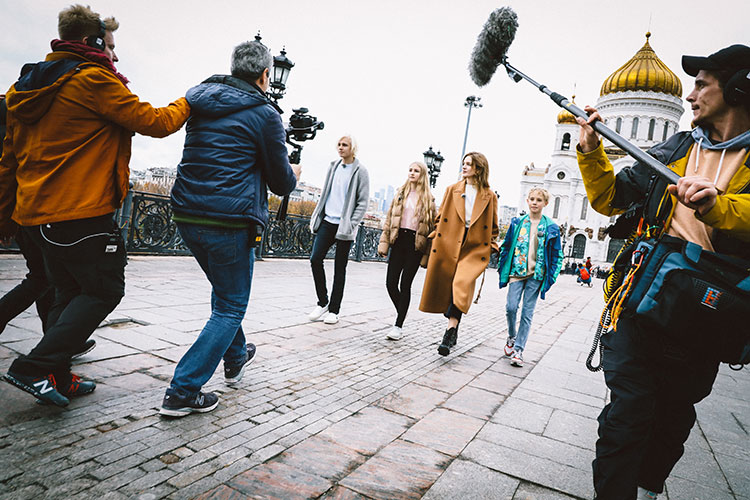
x=492 y=44
x=489 y=53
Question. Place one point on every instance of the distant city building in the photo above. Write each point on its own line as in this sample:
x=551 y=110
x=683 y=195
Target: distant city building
x=389 y=196
x=159 y=176
x=305 y=192
x=505 y=214
x=642 y=102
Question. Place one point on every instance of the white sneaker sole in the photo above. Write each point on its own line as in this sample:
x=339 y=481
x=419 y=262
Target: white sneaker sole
x=330 y=322
x=181 y=412
x=232 y=382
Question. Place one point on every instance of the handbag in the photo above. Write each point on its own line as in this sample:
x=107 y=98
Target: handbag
x=689 y=293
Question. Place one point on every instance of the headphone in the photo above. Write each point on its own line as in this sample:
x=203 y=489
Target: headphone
x=737 y=88
x=97 y=41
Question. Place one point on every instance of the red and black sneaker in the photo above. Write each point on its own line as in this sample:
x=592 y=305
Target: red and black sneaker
x=43 y=387
x=76 y=386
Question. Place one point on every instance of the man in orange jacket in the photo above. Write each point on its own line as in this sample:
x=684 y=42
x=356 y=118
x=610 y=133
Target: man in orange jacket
x=63 y=173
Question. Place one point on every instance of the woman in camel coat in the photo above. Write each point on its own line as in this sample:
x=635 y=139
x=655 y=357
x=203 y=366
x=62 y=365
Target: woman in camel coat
x=461 y=246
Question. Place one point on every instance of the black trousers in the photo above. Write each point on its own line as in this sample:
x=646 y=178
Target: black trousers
x=325 y=237
x=85 y=263
x=654 y=386
x=34 y=287
x=403 y=263
x=453 y=311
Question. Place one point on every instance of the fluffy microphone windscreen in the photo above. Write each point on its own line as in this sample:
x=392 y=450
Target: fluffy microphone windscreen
x=492 y=44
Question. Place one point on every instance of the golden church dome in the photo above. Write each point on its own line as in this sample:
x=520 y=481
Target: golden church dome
x=644 y=71
x=565 y=116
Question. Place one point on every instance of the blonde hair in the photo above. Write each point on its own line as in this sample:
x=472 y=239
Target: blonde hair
x=353 y=142
x=542 y=191
x=481 y=169
x=424 y=195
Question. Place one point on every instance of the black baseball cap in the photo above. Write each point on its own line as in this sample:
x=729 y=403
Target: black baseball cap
x=735 y=57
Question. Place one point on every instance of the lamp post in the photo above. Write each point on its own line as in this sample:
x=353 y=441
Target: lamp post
x=471 y=102
x=434 y=162
x=282 y=66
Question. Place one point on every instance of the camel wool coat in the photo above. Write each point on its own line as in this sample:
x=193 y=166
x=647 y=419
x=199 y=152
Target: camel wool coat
x=455 y=263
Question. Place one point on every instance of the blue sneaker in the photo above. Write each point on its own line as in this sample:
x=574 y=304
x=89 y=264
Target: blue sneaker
x=44 y=388
x=233 y=373
x=175 y=406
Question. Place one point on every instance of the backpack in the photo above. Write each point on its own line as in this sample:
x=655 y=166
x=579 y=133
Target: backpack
x=585 y=274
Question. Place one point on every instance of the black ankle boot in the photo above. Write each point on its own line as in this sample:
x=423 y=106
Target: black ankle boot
x=449 y=340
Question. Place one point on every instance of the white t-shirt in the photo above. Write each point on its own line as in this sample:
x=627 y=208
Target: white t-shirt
x=337 y=196
x=470 y=196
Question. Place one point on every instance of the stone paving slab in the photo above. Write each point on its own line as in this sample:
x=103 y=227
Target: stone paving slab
x=338 y=412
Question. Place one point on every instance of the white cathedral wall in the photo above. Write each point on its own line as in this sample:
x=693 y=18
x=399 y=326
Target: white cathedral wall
x=570 y=190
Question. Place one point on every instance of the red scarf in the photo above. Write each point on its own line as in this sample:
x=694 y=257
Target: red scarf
x=90 y=53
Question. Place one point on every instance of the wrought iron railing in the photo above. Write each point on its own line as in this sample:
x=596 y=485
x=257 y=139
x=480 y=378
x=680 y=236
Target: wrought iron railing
x=146 y=221
x=147 y=226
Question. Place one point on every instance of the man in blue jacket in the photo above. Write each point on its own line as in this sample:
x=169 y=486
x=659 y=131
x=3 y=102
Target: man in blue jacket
x=234 y=149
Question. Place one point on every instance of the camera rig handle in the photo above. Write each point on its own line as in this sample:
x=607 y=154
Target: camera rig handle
x=302 y=127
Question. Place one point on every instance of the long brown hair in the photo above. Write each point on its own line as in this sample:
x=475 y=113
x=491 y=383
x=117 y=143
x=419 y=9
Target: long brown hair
x=481 y=169
x=424 y=196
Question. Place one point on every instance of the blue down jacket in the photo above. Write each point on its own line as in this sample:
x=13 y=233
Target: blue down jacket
x=234 y=148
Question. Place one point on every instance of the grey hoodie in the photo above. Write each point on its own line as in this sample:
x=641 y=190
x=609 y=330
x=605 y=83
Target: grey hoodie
x=355 y=205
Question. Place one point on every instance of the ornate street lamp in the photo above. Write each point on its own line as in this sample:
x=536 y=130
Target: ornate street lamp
x=471 y=102
x=436 y=164
x=281 y=68
x=433 y=161
x=282 y=65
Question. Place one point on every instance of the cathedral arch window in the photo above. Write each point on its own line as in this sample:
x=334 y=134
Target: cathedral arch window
x=579 y=246
x=565 y=142
x=584 y=208
x=666 y=131
x=618 y=125
x=651 y=126
x=556 y=211
x=613 y=249
x=634 y=130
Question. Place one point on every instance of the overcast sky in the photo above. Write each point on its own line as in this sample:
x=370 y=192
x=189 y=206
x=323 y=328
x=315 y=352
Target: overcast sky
x=391 y=72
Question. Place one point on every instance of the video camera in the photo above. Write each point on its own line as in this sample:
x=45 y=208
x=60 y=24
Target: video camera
x=302 y=127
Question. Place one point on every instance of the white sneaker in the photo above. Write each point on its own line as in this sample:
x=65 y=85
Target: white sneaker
x=331 y=319
x=395 y=333
x=318 y=313
x=508 y=349
x=516 y=359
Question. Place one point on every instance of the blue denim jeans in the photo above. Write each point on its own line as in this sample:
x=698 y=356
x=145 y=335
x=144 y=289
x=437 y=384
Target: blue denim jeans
x=227 y=260
x=529 y=289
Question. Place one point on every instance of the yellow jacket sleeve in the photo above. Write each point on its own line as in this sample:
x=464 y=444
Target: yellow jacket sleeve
x=599 y=179
x=731 y=213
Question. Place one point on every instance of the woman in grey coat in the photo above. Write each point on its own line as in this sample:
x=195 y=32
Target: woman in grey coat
x=342 y=205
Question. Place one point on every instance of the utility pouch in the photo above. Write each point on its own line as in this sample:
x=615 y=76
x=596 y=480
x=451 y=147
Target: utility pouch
x=256 y=235
x=688 y=293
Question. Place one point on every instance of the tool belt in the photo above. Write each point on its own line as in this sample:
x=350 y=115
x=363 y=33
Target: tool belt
x=680 y=289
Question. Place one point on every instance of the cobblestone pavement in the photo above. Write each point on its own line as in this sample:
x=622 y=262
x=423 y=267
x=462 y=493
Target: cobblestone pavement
x=338 y=412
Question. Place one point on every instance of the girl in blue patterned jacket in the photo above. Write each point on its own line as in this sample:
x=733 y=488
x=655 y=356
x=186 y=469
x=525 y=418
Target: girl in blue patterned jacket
x=530 y=260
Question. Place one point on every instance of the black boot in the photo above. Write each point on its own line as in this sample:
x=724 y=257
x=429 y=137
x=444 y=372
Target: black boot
x=449 y=340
